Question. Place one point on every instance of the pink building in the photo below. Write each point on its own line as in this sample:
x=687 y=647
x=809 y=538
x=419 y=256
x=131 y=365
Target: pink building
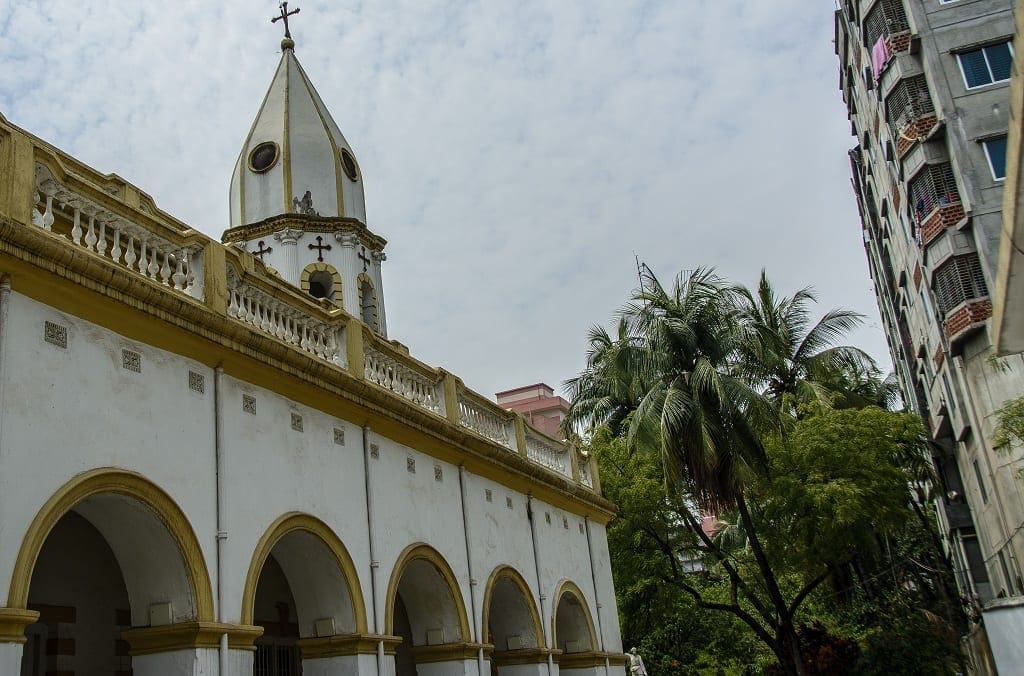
x=539 y=404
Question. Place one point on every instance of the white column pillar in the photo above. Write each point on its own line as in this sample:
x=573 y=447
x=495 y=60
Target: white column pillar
x=450 y=668
x=191 y=649
x=12 y=637
x=10 y=658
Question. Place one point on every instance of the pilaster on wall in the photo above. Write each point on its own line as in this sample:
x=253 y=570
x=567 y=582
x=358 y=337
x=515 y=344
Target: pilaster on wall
x=17 y=175
x=215 y=279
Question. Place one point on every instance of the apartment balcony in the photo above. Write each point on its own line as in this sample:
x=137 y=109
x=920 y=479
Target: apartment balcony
x=941 y=217
x=958 y=515
x=965 y=320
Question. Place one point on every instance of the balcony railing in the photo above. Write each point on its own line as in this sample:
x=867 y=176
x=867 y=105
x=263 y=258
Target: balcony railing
x=910 y=113
x=132 y=248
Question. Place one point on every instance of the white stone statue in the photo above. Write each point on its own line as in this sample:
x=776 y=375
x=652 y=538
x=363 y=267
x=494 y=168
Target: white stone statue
x=636 y=664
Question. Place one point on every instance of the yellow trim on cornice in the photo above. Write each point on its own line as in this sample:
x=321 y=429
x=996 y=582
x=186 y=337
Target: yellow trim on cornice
x=450 y=652
x=306 y=223
x=120 y=482
x=570 y=587
x=290 y=523
x=336 y=288
x=44 y=267
x=189 y=635
x=508 y=572
x=506 y=658
x=13 y=622
x=424 y=552
x=346 y=644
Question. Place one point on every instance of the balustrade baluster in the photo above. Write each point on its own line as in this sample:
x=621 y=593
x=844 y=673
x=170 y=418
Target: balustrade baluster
x=115 y=253
x=76 y=227
x=129 y=254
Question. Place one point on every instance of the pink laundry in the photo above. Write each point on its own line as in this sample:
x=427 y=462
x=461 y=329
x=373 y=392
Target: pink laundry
x=879 y=56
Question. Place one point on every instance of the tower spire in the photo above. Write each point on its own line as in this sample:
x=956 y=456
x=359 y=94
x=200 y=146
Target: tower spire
x=287 y=42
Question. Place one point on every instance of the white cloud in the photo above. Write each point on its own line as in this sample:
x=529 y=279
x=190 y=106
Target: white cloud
x=516 y=155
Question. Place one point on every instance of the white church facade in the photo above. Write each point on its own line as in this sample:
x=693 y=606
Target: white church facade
x=214 y=461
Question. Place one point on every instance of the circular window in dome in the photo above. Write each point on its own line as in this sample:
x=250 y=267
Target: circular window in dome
x=263 y=157
x=348 y=163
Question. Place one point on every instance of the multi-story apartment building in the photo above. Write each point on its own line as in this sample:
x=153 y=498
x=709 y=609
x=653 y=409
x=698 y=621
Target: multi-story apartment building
x=926 y=83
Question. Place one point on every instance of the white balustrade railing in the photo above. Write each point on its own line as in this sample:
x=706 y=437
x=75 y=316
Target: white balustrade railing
x=478 y=415
x=403 y=380
x=550 y=454
x=283 y=321
x=110 y=236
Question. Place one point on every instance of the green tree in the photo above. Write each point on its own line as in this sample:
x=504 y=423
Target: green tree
x=697 y=412
x=734 y=395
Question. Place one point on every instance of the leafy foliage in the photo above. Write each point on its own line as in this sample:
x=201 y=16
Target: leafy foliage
x=711 y=398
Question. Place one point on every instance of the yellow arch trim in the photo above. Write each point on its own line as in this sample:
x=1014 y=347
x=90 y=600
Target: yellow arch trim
x=120 y=482
x=569 y=587
x=289 y=523
x=425 y=552
x=308 y=271
x=503 y=572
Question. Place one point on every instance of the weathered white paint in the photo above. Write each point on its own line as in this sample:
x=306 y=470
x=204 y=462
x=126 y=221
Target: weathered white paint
x=452 y=668
x=525 y=669
x=198 y=662
x=153 y=424
x=10 y=658
x=1004 y=623
x=347 y=665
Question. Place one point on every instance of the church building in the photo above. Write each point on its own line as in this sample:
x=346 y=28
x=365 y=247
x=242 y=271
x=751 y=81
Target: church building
x=214 y=461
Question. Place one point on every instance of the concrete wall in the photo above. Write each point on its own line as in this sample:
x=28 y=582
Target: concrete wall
x=69 y=410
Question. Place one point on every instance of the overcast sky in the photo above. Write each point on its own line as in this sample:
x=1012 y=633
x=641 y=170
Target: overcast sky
x=516 y=155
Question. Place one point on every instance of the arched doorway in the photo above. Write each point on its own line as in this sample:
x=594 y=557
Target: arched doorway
x=303 y=590
x=511 y=622
x=573 y=627
x=108 y=552
x=425 y=608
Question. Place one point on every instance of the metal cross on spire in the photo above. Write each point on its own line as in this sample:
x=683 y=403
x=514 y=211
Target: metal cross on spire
x=284 y=16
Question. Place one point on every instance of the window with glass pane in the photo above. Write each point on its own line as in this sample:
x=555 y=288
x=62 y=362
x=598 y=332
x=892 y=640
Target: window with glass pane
x=986 y=65
x=995 y=149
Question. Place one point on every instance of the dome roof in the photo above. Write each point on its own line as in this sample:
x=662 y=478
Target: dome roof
x=295 y=159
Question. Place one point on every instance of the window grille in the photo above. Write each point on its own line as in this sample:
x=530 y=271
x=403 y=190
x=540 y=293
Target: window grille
x=887 y=17
x=934 y=187
x=959 y=280
x=909 y=102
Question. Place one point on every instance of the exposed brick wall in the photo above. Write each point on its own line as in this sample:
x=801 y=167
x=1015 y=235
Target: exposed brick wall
x=899 y=42
x=916 y=130
x=938 y=357
x=969 y=314
x=917 y=276
x=939 y=220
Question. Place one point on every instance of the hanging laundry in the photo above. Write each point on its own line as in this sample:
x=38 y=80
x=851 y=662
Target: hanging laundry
x=879 y=56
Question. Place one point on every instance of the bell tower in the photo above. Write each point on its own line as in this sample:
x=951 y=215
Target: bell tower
x=297 y=197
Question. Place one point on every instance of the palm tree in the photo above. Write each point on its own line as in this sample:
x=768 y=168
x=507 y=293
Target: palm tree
x=675 y=358
x=608 y=390
x=792 y=362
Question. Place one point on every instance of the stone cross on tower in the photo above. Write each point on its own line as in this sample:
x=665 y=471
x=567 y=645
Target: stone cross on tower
x=320 y=248
x=260 y=251
x=363 y=257
x=284 y=16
